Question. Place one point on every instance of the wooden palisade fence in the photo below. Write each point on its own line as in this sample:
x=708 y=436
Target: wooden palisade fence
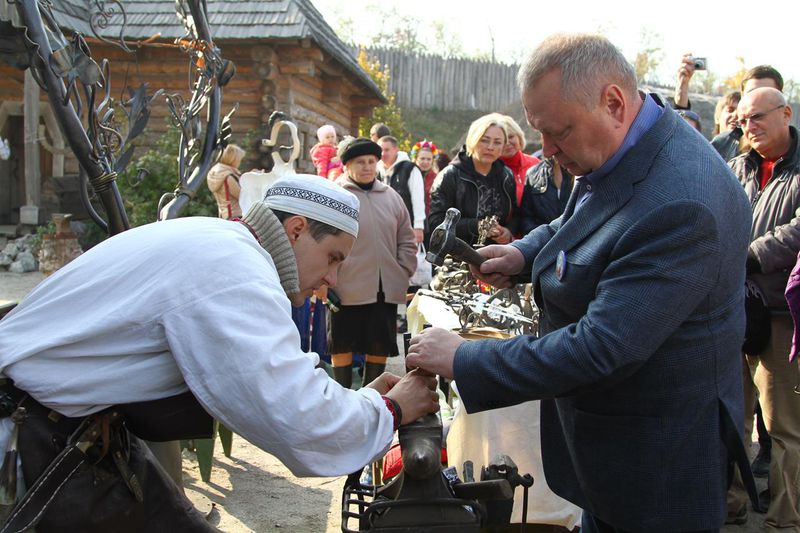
x=425 y=81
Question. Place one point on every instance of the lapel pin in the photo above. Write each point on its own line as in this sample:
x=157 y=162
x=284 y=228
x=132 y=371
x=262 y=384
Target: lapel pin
x=561 y=265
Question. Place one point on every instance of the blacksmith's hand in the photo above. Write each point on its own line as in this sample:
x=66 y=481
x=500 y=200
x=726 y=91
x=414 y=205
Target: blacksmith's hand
x=384 y=383
x=434 y=350
x=416 y=394
x=502 y=262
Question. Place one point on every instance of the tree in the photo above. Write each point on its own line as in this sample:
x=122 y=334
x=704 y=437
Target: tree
x=446 y=44
x=734 y=82
x=705 y=82
x=389 y=113
x=649 y=56
x=792 y=91
x=399 y=32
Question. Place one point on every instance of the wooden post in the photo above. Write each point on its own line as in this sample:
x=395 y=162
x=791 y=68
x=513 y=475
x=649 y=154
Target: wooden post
x=29 y=213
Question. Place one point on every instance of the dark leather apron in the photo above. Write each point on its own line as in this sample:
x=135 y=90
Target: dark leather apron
x=120 y=487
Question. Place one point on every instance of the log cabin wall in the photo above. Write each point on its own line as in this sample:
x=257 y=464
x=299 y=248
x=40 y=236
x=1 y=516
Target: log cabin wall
x=294 y=76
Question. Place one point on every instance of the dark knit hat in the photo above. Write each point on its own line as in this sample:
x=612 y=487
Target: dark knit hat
x=358 y=147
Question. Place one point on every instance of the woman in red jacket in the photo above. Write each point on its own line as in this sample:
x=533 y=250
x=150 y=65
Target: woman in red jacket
x=422 y=154
x=513 y=156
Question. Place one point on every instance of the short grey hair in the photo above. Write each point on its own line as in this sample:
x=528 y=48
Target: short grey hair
x=586 y=62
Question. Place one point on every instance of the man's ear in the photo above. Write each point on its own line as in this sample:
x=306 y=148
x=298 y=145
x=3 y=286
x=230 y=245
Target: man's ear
x=294 y=226
x=614 y=102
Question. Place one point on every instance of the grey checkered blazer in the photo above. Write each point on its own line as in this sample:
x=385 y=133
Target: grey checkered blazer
x=638 y=361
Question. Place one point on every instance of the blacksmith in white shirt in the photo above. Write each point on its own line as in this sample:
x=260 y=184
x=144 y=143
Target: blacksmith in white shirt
x=189 y=317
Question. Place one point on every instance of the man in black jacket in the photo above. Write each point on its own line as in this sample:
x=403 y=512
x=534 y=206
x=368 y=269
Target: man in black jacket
x=770 y=173
x=404 y=177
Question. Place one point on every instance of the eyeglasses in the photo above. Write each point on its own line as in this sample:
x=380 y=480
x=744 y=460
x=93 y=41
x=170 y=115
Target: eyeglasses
x=757 y=117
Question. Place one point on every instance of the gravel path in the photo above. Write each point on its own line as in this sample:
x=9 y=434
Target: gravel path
x=14 y=287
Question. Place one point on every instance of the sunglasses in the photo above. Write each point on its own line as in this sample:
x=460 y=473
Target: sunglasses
x=757 y=117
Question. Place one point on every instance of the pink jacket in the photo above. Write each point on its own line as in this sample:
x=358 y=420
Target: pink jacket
x=321 y=156
x=385 y=249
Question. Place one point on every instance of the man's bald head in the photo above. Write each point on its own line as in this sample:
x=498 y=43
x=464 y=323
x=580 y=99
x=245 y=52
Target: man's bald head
x=767 y=95
x=765 y=120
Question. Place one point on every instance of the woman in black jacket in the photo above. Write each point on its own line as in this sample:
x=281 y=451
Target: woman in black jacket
x=547 y=189
x=478 y=184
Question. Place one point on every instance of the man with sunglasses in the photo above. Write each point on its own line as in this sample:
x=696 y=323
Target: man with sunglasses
x=770 y=174
x=727 y=142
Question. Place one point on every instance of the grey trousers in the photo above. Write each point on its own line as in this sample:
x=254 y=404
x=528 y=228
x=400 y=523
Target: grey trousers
x=771 y=378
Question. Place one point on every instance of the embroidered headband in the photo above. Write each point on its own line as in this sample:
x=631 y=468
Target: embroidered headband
x=423 y=144
x=316 y=198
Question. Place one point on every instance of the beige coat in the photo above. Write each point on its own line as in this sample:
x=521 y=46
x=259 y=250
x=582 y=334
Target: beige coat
x=227 y=201
x=385 y=249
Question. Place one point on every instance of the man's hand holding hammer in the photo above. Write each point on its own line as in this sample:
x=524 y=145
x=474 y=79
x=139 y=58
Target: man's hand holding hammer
x=502 y=263
x=435 y=349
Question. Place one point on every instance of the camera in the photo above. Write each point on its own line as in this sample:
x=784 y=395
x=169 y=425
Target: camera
x=700 y=63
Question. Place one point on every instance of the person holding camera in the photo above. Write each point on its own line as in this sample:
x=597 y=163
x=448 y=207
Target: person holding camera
x=689 y=64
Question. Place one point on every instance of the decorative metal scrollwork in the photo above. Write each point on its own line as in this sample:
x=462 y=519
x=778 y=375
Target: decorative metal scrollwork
x=208 y=73
x=101 y=19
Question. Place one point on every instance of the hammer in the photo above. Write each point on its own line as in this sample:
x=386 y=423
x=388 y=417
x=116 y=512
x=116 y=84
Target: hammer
x=444 y=241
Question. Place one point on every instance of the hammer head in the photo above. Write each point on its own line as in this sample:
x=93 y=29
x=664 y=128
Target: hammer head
x=443 y=238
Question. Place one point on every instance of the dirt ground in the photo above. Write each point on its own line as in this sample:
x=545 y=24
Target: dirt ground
x=252 y=491
x=14 y=287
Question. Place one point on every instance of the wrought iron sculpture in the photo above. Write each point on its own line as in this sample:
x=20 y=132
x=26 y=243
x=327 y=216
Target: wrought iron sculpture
x=208 y=74
x=510 y=310
x=64 y=70
x=101 y=19
x=485 y=227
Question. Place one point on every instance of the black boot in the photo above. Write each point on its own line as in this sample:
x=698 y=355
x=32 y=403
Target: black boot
x=760 y=465
x=764 y=497
x=343 y=375
x=372 y=371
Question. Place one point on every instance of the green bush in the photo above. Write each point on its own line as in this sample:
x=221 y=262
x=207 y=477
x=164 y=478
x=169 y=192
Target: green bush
x=161 y=162
x=41 y=231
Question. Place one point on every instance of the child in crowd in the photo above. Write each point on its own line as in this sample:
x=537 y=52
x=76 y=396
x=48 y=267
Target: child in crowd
x=323 y=154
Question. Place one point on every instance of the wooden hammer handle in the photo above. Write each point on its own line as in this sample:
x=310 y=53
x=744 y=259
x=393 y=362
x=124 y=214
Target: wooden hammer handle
x=464 y=252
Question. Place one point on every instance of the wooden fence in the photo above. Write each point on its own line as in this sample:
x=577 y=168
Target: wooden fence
x=424 y=81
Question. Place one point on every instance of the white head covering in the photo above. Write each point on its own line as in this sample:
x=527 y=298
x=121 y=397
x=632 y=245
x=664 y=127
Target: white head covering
x=316 y=198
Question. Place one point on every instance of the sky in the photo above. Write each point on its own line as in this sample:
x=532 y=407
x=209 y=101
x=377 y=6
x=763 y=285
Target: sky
x=719 y=30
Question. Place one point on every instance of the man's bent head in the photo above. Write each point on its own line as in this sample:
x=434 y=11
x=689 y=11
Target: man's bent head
x=580 y=92
x=320 y=219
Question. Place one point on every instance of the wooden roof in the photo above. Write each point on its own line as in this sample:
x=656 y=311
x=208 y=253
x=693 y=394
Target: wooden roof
x=229 y=20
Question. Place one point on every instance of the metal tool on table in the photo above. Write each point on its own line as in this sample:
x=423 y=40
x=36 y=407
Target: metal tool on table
x=444 y=242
